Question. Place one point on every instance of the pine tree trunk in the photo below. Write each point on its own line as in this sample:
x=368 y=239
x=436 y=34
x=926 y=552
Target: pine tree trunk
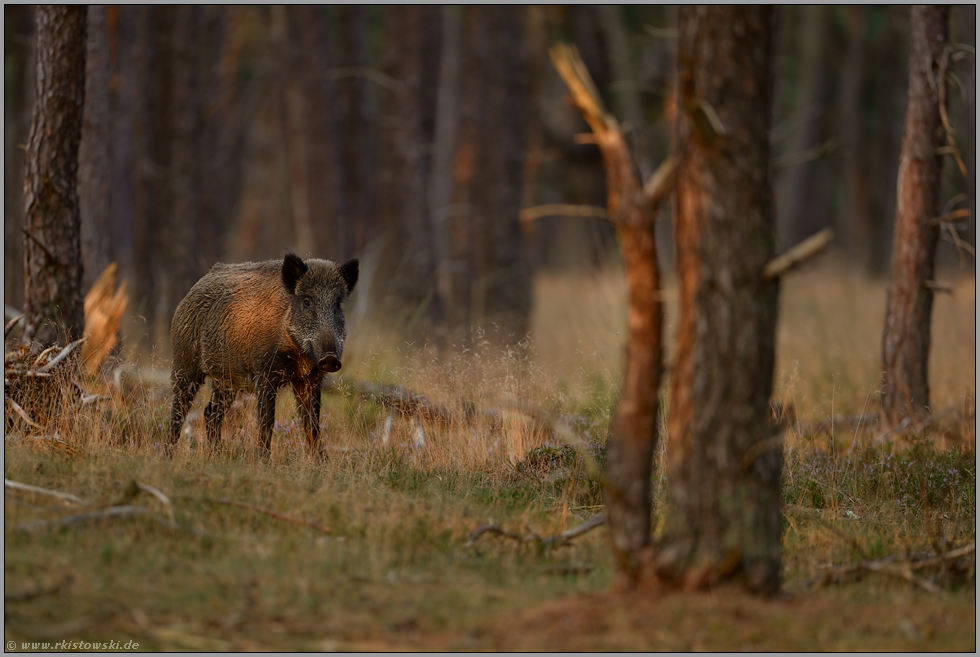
x=723 y=514
x=94 y=163
x=905 y=346
x=52 y=251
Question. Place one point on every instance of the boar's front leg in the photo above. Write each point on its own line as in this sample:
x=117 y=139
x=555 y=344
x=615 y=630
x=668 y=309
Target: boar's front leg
x=265 y=394
x=308 y=398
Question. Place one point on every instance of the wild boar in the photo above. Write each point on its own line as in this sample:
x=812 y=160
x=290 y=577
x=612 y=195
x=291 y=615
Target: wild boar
x=256 y=327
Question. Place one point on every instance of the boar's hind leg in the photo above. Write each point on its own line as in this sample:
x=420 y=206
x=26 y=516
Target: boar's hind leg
x=265 y=394
x=184 y=389
x=214 y=412
x=308 y=398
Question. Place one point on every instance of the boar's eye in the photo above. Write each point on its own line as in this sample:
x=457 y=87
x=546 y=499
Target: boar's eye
x=306 y=302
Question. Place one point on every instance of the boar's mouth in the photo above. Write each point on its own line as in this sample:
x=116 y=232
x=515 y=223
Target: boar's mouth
x=329 y=363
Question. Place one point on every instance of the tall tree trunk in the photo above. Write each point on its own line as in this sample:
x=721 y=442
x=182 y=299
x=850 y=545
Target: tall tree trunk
x=861 y=229
x=905 y=345
x=52 y=250
x=18 y=55
x=407 y=129
x=357 y=136
x=797 y=203
x=723 y=514
x=95 y=151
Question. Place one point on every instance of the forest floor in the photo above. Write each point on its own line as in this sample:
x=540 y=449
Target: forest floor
x=376 y=549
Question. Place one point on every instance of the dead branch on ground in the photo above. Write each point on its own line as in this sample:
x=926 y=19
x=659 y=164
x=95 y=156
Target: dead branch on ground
x=531 y=537
x=904 y=570
x=17 y=487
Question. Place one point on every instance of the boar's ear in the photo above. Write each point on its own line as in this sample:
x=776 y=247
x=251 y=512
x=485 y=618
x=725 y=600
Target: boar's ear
x=292 y=270
x=349 y=271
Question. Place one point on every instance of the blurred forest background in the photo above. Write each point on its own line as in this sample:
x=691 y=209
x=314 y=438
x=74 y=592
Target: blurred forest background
x=412 y=137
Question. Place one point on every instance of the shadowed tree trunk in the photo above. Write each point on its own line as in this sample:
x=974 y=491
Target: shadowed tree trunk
x=357 y=132
x=95 y=152
x=723 y=514
x=798 y=205
x=489 y=173
x=861 y=229
x=52 y=251
x=905 y=345
x=633 y=435
x=407 y=268
x=18 y=49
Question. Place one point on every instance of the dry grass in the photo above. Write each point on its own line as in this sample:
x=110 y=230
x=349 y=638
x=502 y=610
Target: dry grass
x=400 y=497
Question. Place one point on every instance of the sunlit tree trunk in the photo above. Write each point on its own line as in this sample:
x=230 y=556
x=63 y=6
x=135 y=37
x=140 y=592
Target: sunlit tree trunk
x=52 y=249
x=723 y=513
x=905 y=346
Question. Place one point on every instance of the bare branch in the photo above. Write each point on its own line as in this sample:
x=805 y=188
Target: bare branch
x=11 y=324
x=61 y=356
x=799 y=254
x=528 y=215
x=661 y=182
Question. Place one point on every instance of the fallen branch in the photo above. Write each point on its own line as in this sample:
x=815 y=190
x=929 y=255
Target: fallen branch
x=543 y=543
x=412 y=404
x=799 y=254
x=258 y=509
x=37 y=490
x=98 y=515
x=564 y=432
x=61 y=356
x=904 y=570
x=22 y=413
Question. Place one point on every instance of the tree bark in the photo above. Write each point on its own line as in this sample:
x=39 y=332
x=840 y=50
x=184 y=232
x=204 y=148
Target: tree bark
x=52 y=251
x=905 y=345
x=723 y=514
x=18 y=52
x=95 y=151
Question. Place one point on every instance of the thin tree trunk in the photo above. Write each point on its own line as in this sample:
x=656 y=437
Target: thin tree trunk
x=633 y=435
x=95 y=152
x=905 y=345
x=723 y=514
x=52 y=250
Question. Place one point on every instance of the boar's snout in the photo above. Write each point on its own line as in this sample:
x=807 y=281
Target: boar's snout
x=330 y=363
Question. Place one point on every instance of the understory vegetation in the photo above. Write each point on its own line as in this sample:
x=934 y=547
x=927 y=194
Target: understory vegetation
x=445 y=533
